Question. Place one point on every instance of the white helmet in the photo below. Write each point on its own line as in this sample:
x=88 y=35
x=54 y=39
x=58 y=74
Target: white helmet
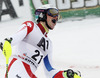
x=40 y=13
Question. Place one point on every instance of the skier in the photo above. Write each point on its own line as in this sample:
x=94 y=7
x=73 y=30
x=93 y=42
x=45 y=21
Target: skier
x=33 y=46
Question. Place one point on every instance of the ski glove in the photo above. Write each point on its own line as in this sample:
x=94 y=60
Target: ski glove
x=68 y=74
x=2 y=43
x=71 y=74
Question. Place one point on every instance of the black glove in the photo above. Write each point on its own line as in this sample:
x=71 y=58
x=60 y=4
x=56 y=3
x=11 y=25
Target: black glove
x=2 y=43
x=72 y=74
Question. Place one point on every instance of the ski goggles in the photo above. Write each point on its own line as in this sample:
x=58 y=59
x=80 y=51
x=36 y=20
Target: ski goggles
x=52 y=12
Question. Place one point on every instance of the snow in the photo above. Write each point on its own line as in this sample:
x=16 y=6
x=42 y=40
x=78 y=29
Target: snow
x=75 y=45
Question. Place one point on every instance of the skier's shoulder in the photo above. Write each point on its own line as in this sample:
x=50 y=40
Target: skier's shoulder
x=29 y=23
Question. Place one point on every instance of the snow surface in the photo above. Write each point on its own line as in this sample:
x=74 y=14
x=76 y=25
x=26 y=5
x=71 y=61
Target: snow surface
x=76 y=45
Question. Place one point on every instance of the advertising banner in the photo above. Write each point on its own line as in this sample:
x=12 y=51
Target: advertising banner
x=70 y=8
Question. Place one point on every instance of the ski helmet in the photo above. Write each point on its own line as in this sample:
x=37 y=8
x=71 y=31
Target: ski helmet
x=40 y=13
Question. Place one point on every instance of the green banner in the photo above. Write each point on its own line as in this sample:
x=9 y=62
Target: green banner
x=72 y=12
x=80 y=12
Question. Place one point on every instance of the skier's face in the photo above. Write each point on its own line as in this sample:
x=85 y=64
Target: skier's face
x=52 y=21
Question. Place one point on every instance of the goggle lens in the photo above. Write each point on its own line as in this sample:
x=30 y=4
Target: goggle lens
x=53 y=12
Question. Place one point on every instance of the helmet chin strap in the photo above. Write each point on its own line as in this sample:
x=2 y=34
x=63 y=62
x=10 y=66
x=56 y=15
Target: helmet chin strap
x=48 y=25
x=54 y=21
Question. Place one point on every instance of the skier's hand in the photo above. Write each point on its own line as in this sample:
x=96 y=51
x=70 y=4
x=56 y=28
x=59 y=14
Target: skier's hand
x=2 y=43
x=71 y=74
